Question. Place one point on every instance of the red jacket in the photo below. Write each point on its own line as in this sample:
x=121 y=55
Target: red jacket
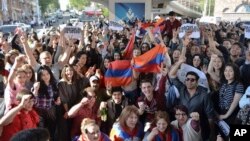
x=20 y=122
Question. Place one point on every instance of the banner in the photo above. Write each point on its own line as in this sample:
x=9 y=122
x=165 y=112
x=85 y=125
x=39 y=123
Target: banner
x=247 y=31
x=210 y=20
x=78 y=24
x=115 y=26
x=129 y=11
x=186 y=27
x=186 y=68
x=72 y=32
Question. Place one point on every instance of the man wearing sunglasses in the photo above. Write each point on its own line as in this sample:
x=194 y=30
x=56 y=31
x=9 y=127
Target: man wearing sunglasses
x=194 y=97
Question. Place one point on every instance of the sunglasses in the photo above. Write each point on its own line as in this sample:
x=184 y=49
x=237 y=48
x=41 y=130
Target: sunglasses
x=181 y=114
x=190 y=79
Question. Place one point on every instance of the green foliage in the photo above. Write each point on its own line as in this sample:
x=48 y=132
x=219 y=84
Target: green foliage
x=79 y=4
x=48 y=5
x=105 y=12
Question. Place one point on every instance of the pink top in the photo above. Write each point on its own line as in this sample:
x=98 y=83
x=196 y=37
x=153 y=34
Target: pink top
x=10 y=96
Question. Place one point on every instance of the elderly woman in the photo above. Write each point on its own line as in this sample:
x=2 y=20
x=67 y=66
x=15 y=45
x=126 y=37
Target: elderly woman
x=127 y=127
x=161 y=129
x=91 y=131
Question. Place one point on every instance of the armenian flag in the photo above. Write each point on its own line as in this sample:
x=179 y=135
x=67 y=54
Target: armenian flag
x=151 y=60
x=128 y=52
x=119 y=73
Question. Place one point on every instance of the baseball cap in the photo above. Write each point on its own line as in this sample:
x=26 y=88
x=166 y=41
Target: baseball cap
x=93 y=78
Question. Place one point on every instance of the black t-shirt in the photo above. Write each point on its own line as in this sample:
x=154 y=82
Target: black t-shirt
x=118 y=109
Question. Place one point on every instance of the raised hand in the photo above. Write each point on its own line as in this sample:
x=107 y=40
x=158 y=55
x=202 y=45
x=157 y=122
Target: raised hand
x=155 y=131
x=84 y=101
x=195 y=116
x=25 y=100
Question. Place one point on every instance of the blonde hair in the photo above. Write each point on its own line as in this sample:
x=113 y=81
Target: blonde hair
x=19 y=70
x=86 y=122
x=27 y=66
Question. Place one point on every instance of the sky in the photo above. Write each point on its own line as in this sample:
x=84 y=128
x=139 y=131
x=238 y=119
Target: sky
x=63 y=4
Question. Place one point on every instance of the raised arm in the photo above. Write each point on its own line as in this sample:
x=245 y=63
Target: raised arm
x=19 y=61
x=210 y=70
x=28 y=51
x=74 y=110
x=10 y=115
x=182 y=59
x=212 y=44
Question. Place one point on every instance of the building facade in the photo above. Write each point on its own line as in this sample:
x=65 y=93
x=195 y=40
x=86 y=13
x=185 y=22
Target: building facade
x=232 y=10
x=152 y=8
x=17 y=10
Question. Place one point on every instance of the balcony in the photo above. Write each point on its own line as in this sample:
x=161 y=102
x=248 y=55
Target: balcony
x=187 y=7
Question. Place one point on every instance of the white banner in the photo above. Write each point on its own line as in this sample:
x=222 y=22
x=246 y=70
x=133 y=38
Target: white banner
x=72 y=32
x=62 y=26
x=247 y=31
x=78 y=24
x=186 y=27
x=115 y=26
x=186 y=68
x=211 y=20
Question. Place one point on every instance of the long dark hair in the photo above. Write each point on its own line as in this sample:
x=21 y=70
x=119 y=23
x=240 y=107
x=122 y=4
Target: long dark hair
x=236 y=72
x=43 y=90
x=102 y=67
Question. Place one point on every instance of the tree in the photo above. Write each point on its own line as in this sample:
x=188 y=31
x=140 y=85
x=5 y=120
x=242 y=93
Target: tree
x=79 y=4
x=105 y=12
x=50 y=5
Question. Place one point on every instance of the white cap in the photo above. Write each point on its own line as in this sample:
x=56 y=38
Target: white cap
x=99 y=44
x=92 y=78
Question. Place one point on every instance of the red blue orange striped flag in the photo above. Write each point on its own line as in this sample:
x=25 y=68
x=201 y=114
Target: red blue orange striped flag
x=119 y=73
x=128 y=51
x=151 y=60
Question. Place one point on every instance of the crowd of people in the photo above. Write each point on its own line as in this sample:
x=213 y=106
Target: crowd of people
x=54 y=87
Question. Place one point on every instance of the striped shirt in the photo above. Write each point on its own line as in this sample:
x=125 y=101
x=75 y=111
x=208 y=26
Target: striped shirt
x=227 y=92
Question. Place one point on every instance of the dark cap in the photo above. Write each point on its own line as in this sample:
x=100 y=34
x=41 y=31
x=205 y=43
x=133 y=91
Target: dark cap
x=116 y=89
x=171 y=13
